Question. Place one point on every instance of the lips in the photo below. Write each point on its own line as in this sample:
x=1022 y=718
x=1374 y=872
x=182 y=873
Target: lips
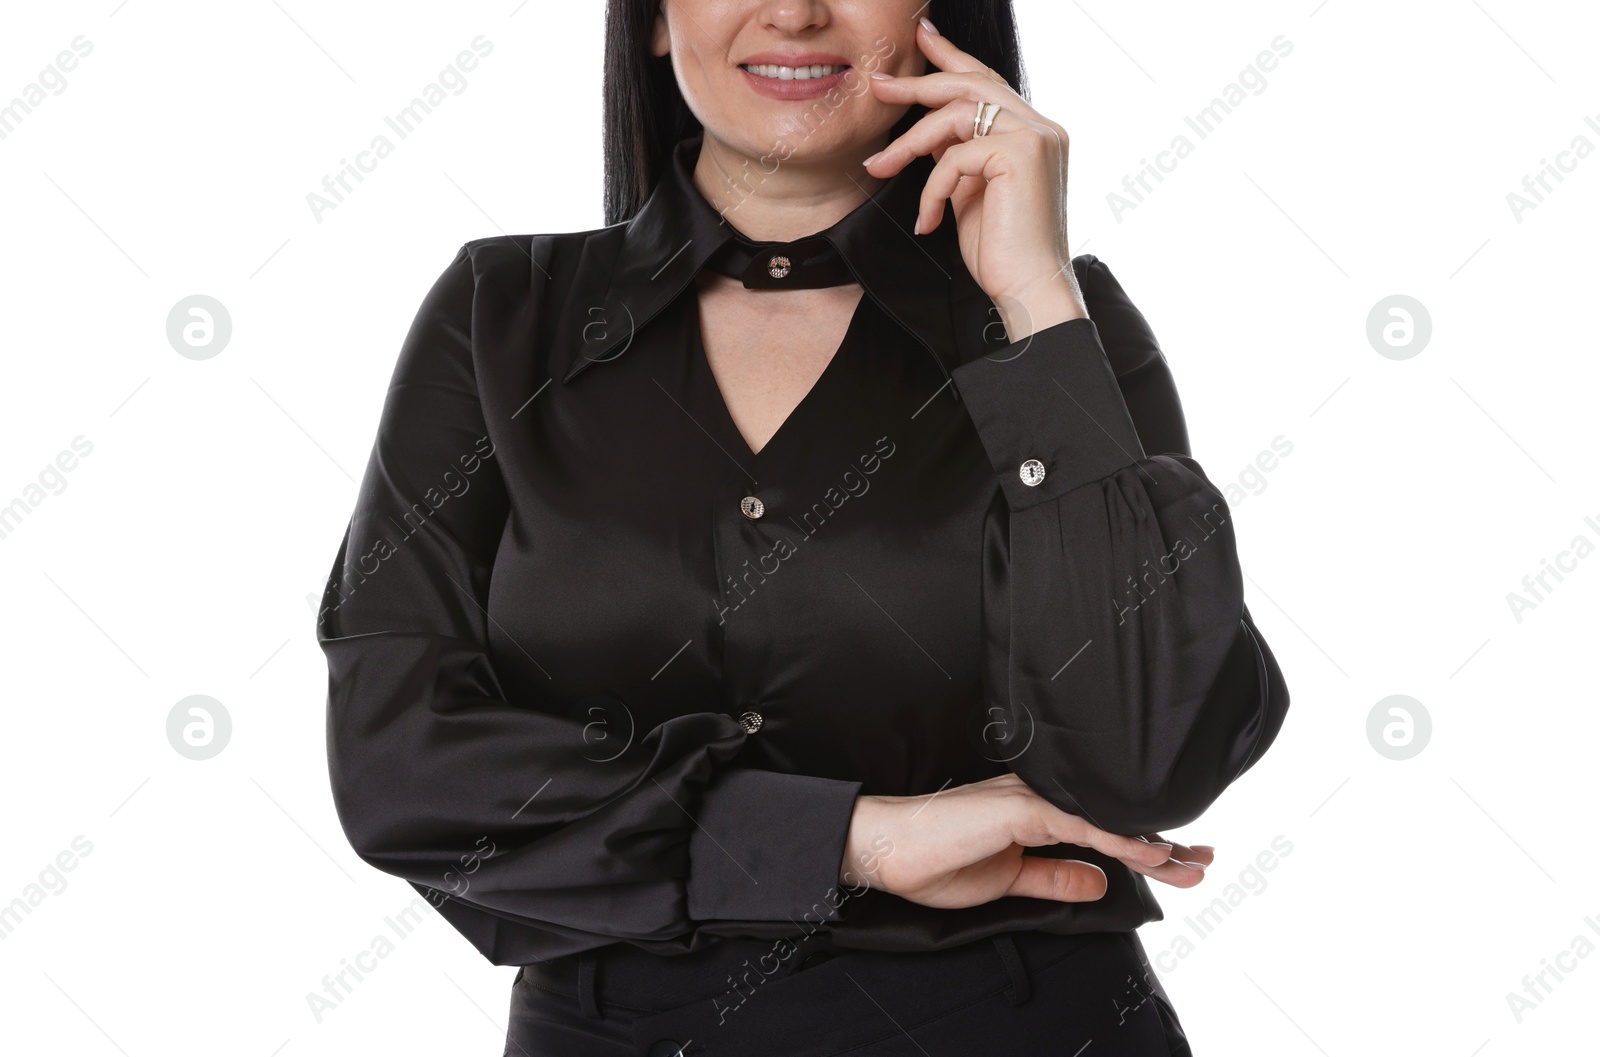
x=794 y=75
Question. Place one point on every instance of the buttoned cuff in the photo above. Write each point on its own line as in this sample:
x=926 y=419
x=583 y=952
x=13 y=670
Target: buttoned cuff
x=1049 y=404
x=767 y=846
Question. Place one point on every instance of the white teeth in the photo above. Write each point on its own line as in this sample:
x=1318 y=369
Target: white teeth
x=792 y=73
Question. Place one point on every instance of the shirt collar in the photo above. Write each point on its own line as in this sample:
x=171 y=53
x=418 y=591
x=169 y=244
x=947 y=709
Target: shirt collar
x=670 y=238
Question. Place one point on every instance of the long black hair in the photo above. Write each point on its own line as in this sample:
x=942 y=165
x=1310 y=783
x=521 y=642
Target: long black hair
x=645 y=113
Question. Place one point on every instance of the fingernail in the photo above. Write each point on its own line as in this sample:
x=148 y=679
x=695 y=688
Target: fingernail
x=928 y=25
x=879 y=75
x=875 y=157
x=1202 y=847
x=1191 y=865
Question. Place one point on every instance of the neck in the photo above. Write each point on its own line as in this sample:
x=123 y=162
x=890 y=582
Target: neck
x=768 y=200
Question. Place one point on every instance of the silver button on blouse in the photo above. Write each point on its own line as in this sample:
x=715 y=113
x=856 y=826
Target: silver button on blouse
x=1032 y=472
x=778 y=267
x=752 y=507
x=750 y=720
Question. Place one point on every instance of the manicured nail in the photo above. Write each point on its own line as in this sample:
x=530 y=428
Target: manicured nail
x=879 y=75
x=928 y=25
x=875 y=157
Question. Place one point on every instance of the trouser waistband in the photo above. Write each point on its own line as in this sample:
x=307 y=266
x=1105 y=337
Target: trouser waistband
x=627 y=977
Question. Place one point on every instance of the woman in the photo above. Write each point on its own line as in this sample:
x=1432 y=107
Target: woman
x=898 y=787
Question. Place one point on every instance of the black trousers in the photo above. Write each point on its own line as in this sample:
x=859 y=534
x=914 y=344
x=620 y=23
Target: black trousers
x=1021 y=994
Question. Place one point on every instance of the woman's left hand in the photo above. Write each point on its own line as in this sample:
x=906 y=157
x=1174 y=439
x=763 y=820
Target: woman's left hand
x=1008 y=188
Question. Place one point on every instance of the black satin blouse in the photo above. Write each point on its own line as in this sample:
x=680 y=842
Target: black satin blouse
x=598 y=673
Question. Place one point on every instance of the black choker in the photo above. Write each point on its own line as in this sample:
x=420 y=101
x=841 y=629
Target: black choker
x=802 y=264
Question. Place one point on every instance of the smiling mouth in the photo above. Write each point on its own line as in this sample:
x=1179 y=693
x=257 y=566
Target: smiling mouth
x=792 y=73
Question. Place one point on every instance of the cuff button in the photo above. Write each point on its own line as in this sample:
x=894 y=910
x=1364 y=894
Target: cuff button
x=1032 y=472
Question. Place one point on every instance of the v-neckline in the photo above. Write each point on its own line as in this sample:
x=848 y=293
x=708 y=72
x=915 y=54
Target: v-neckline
x=726 y=423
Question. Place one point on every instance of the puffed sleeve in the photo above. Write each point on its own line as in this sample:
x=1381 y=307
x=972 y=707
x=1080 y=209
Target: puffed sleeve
x=1124 y=679
x=503 y=808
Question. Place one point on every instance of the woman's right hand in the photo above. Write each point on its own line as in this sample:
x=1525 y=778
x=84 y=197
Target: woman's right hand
x=966 y=846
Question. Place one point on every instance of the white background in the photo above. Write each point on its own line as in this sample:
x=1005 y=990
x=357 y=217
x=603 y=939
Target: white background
x=179 y=555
